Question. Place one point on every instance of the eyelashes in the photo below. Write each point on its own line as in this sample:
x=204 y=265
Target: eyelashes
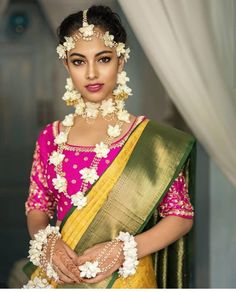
x=79 y=62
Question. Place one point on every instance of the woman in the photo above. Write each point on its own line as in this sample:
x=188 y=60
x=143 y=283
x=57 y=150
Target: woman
x=111 y=175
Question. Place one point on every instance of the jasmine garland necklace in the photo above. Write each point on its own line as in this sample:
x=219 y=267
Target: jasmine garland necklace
x=88 y=175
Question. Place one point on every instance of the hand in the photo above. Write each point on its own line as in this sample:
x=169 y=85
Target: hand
x=64 y=263
x=91 y=255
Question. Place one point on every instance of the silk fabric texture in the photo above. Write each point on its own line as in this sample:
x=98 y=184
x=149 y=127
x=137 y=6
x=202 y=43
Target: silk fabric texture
x=125 y=199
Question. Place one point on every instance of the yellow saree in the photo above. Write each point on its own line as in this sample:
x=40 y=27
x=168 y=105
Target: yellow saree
x=125 y=199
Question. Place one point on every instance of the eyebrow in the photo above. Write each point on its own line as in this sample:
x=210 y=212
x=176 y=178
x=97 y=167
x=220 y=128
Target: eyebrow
x=98 y=54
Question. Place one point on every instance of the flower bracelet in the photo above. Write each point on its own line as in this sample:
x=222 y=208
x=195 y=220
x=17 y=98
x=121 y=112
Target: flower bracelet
x=91 y=269
x=38 y=249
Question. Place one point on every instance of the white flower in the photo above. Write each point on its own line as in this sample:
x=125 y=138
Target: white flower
x=89 y=269
x=79 y=108
x=61 y=138
x=68 y=120
x=69 y=44
x=79 y=200
x=107 y=107
x=91 y=109
x=120 y=49
x=108 y=39
x=122 y=89
x=87 y=30
x=101 y=150
x=61 y=51
x=122 y=78
x=126 y=55
x=89 y=175
x=127 y=90
x=114 y=131
x=69 y=84
x=59 y=183
x=120 y=104
x=71 y=96
x=37 y=283
x=56 y=158
x=124 y=236
x=123 y=116
x=51 y=273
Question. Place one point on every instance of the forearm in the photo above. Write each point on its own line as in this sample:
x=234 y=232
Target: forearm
x=165 y=232
x=36 y=220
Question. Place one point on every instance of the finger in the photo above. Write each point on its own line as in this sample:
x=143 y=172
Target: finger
x=83 y=259
x=62 y=277
x=67 y=267
x=97 y=279
x=71 y=253
x=71 y=270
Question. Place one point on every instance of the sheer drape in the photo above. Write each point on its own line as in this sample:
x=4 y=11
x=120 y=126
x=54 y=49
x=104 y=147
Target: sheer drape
x=178 y=38
x=3 y=5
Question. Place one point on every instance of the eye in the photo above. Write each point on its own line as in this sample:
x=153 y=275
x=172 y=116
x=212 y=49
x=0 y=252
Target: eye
x=104 y=60
x=77 y=62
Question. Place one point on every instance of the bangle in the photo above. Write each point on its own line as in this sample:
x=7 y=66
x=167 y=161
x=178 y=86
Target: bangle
x=130 y=254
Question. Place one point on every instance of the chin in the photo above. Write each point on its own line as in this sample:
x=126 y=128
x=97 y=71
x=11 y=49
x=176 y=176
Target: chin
x=95 y=97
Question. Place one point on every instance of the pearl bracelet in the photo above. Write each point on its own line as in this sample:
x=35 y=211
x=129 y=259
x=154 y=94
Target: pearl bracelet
x=130 y=253
x=38 y=249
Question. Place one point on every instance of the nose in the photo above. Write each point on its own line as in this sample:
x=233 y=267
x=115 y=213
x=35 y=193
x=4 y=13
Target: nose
x=92 y=72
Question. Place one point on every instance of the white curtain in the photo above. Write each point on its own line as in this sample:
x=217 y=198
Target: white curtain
x=179 y=39
x=3 y=5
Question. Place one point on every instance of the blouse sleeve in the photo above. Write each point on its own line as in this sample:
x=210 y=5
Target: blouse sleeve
x=39 y=196
x=176 y=201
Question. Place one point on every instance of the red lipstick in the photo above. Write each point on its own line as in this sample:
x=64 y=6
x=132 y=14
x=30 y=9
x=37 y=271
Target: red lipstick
x=94 y=87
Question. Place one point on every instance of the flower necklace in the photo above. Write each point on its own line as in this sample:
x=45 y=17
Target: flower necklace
x=88 y=175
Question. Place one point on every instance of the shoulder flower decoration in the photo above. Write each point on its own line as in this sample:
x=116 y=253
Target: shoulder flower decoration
x=79 y=200
x=114 y=131
x=56 y=158
x=107 y=107
x=89 y=175
x=61 y=138
x=101 y=150
x=59 y=183
x=68 y=120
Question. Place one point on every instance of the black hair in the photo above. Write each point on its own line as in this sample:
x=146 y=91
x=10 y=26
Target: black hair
x=99 y=15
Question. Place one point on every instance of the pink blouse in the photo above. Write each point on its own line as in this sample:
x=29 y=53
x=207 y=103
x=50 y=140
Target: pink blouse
x=43 y=196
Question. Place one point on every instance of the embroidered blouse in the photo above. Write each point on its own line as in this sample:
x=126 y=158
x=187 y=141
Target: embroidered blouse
x=43 y=195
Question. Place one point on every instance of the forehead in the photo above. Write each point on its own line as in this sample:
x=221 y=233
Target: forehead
x=90 y=47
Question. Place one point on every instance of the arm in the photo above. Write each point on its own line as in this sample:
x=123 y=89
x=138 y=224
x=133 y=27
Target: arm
x=36 y=220
x=40 y=207
x=167 y=231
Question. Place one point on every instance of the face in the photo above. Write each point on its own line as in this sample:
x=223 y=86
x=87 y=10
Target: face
x=93 y=68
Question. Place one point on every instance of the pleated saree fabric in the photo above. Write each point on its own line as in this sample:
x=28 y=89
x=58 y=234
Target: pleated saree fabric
x=126 y=197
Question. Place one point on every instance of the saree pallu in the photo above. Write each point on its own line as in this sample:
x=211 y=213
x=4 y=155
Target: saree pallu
x=125 y=198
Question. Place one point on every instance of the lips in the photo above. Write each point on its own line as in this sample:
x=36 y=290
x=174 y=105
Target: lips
x=94 y=87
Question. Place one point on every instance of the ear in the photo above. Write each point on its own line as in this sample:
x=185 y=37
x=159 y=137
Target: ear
x=65 y=63
x=121 y=64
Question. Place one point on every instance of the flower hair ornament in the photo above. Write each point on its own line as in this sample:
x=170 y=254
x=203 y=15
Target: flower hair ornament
x=86 y=32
